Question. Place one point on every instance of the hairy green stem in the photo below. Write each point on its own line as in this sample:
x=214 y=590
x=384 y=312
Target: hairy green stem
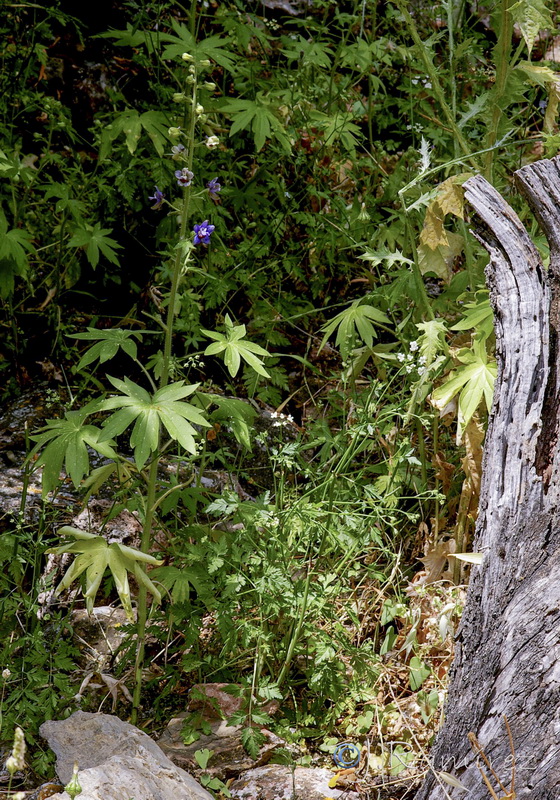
x=434 y=79
x=502 y=59
x=151 y=491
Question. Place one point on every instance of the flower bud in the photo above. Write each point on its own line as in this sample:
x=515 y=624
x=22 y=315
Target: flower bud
x=187 y=57
x=190 y=79
x=199 y=109
x=363 y=216
x=73 y=788
x=210 y=85
x=174 y=132
x=179 y=97
x=205 y=63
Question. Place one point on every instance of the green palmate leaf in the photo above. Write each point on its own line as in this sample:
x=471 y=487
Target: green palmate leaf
x=65 y=442
x=180 y=582
x=258 y=115
x=213 y=47
x=356 y=320
x=238 y=414
x=94 y=555
x=148 y=412
x=234 y=347
x=108 y=345
x=473 y=382
x=15 y=244
x=477 y=315
x=94 y=240
x=130 y=124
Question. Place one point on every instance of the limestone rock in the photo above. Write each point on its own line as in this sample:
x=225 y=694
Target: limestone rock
x=116 y=760
x=228 y=758
x=276 y=782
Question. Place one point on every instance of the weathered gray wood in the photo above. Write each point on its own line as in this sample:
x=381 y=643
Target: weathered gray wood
x=508 y=646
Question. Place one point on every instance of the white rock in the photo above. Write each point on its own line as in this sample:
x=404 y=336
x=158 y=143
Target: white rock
x=116 y=761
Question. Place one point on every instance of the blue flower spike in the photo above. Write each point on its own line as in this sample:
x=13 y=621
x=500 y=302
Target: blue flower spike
x=346 y=755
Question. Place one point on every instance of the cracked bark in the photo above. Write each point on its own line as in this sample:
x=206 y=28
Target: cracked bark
x=507 y=659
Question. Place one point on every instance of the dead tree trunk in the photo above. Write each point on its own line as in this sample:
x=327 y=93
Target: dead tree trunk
x=507 y=660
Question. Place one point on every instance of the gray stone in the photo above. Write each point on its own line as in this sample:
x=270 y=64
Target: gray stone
x=116 y=761
x=276 y=782
x=228 y=758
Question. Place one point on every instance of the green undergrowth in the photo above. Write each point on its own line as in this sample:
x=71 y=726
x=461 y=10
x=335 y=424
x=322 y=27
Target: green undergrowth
x=234 y=241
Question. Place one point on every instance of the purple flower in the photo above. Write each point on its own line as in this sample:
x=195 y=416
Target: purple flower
x=177 y=149
x=158 y=198
x=184 y=176
x=214 y=187
x=202 y=232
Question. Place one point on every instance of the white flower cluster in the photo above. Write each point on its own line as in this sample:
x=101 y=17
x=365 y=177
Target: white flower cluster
x=281 y=419
x=408 y=360
x=425 y=82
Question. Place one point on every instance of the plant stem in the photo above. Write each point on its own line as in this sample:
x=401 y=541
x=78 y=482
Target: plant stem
x=151 y=499
x=434 y=79
x=503 y=57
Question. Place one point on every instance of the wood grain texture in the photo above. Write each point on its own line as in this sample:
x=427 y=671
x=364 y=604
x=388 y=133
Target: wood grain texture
x=508 y=646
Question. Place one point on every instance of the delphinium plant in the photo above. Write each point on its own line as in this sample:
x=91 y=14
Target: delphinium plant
x=156 y=418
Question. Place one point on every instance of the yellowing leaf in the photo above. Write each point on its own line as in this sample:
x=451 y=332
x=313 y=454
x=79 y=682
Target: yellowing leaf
x=440 y=260
x=450 y=197
x=537 y=74
x=433 y=235
x=551 y=114
x=333 y=781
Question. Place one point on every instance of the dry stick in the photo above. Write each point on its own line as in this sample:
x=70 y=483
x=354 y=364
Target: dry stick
x=510 y=737
x=477 y=747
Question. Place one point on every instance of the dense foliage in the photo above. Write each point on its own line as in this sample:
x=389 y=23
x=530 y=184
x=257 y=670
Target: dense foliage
x=257 y=206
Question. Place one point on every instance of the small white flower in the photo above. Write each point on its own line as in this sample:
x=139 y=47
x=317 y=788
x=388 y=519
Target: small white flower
x=6 y=674
x=422 y=359
x=409 y=357
x=409 y=368
x=422 y=370
x=413 y=346
x=212 y=141
x=401 y=357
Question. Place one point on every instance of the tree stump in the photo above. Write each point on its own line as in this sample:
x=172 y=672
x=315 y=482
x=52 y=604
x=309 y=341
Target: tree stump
x=506 y=670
